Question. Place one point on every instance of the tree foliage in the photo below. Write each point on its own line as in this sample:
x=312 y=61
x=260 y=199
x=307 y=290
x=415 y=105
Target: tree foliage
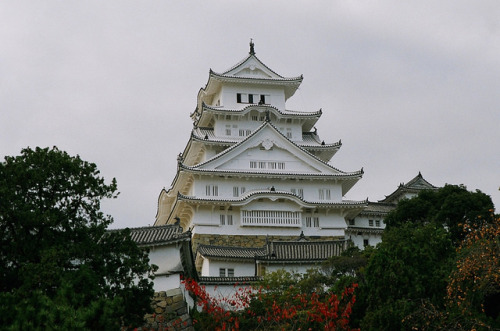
x=59 y=266
x=473 y=292
x=448 y=206
x=409 y=275
x=410 y=265
x=349 y=268
x=282 y=301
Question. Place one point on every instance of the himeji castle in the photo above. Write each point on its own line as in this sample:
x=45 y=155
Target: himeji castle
x=255 y=190
x=254 y=171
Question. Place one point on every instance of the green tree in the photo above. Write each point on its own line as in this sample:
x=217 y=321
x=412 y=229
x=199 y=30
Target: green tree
x=59 y=266
x=346 y=269
x=410 y=265
x=448 y=206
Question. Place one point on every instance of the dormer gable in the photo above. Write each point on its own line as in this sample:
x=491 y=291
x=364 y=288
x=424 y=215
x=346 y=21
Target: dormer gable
x=248 y=77
x=268 y=145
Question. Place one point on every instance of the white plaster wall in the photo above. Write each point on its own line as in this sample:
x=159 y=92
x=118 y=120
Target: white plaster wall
x=358 y=240
x=236 y=124
x=292 y=268
x=167 y=258
x=309 y=187
x=262 y=231
x=229 y=91
x=240 y=268
x=205 y=267
x=363 y=221
x=166 y=282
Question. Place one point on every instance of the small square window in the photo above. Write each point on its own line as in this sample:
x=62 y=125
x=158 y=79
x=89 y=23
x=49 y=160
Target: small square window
x=222 y=272
x=230 y=272
x=377 y=223
x=366 y=242
x=370 y=222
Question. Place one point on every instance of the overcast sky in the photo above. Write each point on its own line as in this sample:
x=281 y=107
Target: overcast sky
x=408 y=86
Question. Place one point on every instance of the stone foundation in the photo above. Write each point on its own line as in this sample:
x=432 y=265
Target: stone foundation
x=170 y=312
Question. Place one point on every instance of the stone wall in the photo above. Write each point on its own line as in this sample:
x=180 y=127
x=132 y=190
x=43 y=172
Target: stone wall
x=170 y=312
x=244 y=241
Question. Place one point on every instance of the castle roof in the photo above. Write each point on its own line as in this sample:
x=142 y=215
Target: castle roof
x=230 y=253
x=309 y=139
x=328 y=171
x=256 y=194
x=303 y=251
x=358 y=230
x=158 y=235
x=296 y=251
x=377 y=208
x=415 y=185
x=204 y=116
x=242 y=280
x=250 y=70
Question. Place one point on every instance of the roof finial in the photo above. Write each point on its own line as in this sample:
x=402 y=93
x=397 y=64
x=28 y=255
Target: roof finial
x=252 y=50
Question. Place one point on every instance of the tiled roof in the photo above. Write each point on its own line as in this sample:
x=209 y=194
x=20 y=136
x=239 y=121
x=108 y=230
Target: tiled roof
x=377 y=208
x=296 y=80
x=245 y=59
x=207 y=134
x=417 y=184
x=309 y=139
x=341 y=174
x=297 y=251
x=228 y=280
x=248 y=194
x=155 y=235
x=303 y=251
x=227 y=252
x=358 y=229
x=267 y=107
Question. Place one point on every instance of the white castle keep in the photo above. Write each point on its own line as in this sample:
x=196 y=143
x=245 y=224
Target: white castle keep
x=254 y=184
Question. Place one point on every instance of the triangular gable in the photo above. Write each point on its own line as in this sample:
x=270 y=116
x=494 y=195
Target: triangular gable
x=252 y=67
x=268 y=145
x=417 y=184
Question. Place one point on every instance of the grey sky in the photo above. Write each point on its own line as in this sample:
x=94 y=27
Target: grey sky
x=408 y=86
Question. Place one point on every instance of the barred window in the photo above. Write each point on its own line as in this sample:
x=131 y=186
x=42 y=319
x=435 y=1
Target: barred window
x=211 y=190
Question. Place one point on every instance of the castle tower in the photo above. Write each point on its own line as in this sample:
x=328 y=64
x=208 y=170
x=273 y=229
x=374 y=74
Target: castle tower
x=254 y=170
